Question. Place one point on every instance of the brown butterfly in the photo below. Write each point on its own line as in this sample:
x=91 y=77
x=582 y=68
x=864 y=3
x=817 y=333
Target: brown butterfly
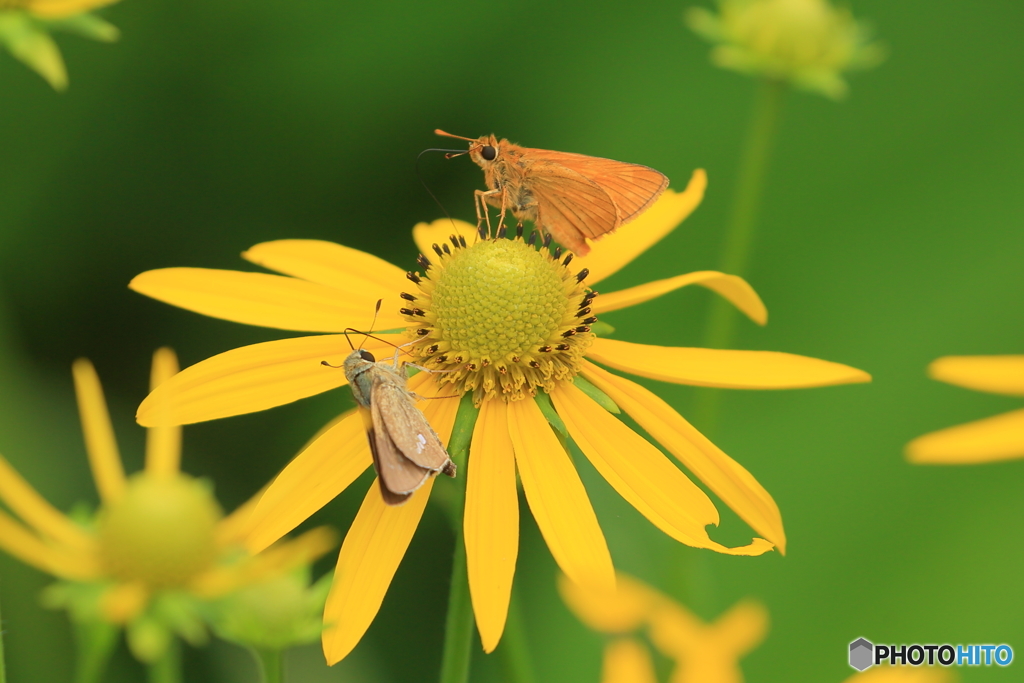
x=571 y=196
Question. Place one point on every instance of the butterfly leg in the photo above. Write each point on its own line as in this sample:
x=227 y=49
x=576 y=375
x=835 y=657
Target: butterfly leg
x=480 y=198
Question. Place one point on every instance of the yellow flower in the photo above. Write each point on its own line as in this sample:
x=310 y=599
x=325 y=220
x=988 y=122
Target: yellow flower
x=158 y=533
x=901 y=674
x=25 y=27
x=504 y=321
x=703 y=653
x=809 y=43
x=989 y=440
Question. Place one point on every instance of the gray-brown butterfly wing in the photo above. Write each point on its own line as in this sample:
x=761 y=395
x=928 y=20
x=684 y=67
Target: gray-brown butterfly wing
x=398 y=476
x=407 y=426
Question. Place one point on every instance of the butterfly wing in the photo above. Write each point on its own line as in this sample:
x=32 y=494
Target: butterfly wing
x=631 y=187
x=398 y=476
x=409 y=429
x=570 y=206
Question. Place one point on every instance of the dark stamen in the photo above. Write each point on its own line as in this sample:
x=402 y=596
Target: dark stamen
x=569 y=333
x=590 y=321
x=437 y=249
x=557 y=253
x=582 y=275
x=454 y=240
x=582 y=328
x=419 y=311
x=462 y=241
x=432 y=349
x=519 y=231
x=423 y=261
x=482 y=231
x=568 y=259
x=422 y=332
x=562 y=347
x=446 y=250
x=582 y=312
x=413 y=276
x=516 y=359
x=533 y=239
x=407 y=297
x=547 y=240
x=406 y=311
x=545 y=349
x=502 y=231
x=534 y=364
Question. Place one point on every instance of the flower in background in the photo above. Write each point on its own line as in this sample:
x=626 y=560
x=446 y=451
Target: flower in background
x=809 y=43
x=159 y=553
x=989 y=440
x=25 y=27
x=514 y=328
x=701 y=653
x=902 y=674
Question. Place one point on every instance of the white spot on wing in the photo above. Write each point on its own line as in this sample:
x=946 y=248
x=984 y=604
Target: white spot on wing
x=421 y=443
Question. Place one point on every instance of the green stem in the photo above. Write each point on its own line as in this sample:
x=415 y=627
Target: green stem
x=167 y=669
x=458 y=631
x=271 y=663
x=95 y=642
x=739 y=237
x=3 y=666
x=513 y=651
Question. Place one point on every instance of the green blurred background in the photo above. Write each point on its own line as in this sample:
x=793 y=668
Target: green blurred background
x=892 y=233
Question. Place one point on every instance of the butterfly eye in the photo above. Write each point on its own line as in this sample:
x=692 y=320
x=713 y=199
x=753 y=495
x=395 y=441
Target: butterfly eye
x=366 y=355
x=488 y=152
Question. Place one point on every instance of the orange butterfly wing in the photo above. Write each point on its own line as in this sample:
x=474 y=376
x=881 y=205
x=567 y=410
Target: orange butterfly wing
x=569 y=206
x=632 y=187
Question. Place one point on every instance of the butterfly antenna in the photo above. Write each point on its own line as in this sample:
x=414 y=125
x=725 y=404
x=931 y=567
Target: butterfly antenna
x=449 y=154
x=373 y=322
x=438 y=131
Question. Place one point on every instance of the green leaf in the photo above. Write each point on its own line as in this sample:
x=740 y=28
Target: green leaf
x=603 y=399
x=544 y=403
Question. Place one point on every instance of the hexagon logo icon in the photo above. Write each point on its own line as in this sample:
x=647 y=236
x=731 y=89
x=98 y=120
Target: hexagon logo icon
x=861 y=651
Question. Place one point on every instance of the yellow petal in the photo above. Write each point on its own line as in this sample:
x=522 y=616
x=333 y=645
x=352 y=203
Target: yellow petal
x=742 y=628
x=122 y=603
x=989 y=440
x=163 y=441
x=30 y=43
x=55 y=9
x=902 y=674
x=558 y=500
x=334 y=265
x=636 y=469
x=253 y=378
x=47 y=520
x=628 y=661
x=64 y=562
x=373 y=548
x=427 y=234
x=107 y=470
x=723 y=475
x=491 y=521
x=233 y=529
x=723 y=368
x=624 y=611
x=997 y=374
x=281 y=558
x=612 y=252
x=269 y=300
x=734 y=289
x=310 y=481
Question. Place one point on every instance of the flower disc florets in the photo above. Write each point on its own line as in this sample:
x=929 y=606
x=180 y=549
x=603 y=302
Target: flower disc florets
x=161 y=532
x=500 y=317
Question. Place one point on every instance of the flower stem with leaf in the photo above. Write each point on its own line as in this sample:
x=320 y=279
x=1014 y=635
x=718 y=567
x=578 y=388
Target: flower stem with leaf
x=458 y=631
x=271 y=664
x=167 y=669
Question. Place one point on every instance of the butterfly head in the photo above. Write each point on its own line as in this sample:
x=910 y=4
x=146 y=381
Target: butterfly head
x=484 y=150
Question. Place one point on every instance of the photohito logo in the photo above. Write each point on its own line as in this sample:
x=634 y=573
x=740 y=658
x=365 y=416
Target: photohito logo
x=865 y=654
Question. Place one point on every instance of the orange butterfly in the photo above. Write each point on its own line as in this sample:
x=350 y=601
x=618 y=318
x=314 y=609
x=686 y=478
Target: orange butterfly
x=571 y=196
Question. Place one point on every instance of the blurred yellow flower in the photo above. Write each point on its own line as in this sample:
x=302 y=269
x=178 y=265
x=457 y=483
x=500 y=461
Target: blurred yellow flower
x=702 y=653
x=158 y=537
x=902 y=674
x=809 y=43
x=513 y=326
x=989 y=440
x=25 y=27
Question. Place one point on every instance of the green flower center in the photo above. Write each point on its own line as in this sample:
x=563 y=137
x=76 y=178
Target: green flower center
x=161 y=532
x=500 y=317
